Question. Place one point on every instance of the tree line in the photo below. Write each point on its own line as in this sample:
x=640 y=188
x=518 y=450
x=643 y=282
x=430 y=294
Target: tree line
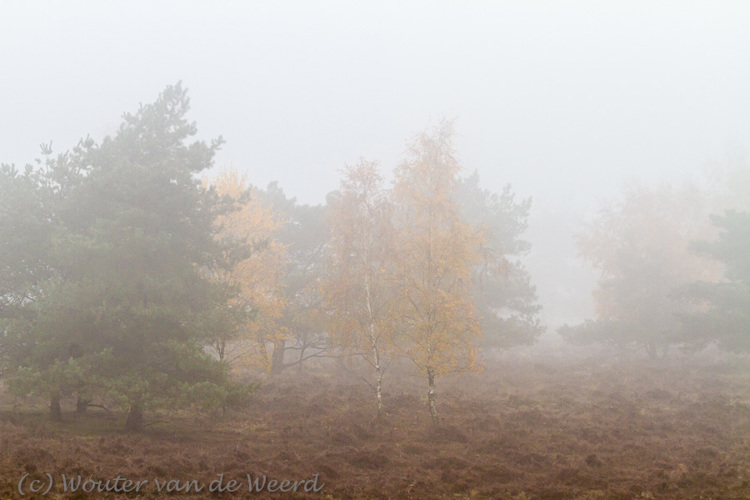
x=674 y=267
x=128 y=276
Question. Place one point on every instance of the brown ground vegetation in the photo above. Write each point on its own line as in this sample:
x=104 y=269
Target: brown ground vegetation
x=520 y=429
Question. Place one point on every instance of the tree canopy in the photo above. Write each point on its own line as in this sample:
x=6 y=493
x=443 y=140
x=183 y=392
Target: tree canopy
x=128 y=228
x=505 y=298
x=126 y=277
x=436 y=251
x=359 y=286
x=641 y=247
x=724 y=317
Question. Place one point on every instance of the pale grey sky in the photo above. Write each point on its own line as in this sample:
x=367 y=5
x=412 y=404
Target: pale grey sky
x=564 y=100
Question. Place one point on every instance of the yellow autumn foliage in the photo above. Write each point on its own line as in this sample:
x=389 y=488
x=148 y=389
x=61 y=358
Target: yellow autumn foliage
x=256 y=271
x=436 y=250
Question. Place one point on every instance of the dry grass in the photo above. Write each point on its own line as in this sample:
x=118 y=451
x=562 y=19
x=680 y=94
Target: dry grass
x=522 y=429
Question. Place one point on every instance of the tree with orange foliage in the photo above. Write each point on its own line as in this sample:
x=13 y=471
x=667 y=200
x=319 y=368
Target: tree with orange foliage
x=358 y=288
x=256 y=264
x=436 y=250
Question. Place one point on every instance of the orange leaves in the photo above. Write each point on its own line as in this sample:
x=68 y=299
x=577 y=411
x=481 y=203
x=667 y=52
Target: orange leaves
x=256 y=263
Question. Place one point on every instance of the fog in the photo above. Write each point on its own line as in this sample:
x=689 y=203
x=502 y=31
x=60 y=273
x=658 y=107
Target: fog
x=566 y=102
x=487 y=249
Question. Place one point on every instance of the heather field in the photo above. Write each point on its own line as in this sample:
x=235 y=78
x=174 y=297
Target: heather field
x=523 y=428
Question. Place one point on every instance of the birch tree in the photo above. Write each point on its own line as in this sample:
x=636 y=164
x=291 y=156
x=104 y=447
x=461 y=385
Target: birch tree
x=358 y=288
x=436 y=251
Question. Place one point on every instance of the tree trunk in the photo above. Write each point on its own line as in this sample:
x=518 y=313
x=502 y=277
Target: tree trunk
x=221 y=347
x=82 y=405
x=431 y=396
x=277 y=357
x=375 y=350
x=134 y=422
x=302 y=352
x=378 y=387
x=54 y=407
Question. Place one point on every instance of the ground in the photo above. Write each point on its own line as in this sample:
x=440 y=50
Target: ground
x=523 y=428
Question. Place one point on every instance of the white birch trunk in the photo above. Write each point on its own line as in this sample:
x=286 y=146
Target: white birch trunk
x=375 y=350
x=431 y=395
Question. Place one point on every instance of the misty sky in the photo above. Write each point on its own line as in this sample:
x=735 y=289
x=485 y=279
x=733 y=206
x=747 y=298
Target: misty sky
x=564 y=100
